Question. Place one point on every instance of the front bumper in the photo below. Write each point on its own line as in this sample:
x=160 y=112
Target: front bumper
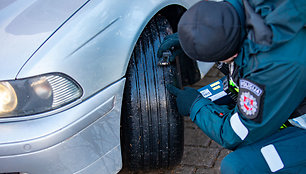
x=82 y=139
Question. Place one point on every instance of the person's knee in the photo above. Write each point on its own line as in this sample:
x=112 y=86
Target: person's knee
x=227 y=166
x=231 y=164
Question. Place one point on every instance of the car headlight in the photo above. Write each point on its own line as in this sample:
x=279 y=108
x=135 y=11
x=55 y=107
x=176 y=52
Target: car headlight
x=37 y=94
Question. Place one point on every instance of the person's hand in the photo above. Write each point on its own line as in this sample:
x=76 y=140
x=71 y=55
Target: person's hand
x=171 y=43
x=184 y=98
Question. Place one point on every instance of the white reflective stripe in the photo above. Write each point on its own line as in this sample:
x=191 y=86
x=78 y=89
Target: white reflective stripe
x=272 y=158
x=238 y=126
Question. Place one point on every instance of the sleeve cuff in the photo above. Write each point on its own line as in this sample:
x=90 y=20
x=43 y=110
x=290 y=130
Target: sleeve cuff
x=197 y=105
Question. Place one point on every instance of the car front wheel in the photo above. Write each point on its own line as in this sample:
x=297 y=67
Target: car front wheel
x=152 y=130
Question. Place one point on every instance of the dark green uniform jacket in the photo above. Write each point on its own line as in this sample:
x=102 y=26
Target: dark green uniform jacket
x=272 y=74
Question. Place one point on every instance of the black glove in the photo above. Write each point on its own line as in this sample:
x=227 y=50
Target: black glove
x=184 y=98
x=171 y=43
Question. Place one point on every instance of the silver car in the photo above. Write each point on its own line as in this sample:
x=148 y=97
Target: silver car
x=81 y=87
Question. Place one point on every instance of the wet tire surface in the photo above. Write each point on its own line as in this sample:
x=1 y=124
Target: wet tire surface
x=152 y=132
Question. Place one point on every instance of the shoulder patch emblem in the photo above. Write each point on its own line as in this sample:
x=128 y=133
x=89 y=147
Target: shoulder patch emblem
x=250 y=99
x=248 y=103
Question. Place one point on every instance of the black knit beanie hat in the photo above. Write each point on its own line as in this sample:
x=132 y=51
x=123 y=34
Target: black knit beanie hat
x=210 y=31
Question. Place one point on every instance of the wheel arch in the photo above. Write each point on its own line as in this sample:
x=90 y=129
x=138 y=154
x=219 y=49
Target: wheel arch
x=172 y=12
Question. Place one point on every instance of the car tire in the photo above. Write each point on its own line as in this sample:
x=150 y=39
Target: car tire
x=152 y=131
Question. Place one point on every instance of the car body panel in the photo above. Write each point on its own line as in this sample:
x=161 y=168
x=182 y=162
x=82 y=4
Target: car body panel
x=95 y=45
x=25 y=25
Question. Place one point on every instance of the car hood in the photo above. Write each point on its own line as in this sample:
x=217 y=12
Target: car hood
x=25 y=25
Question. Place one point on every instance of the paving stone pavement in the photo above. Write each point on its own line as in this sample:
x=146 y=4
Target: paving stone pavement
x=201 y=154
